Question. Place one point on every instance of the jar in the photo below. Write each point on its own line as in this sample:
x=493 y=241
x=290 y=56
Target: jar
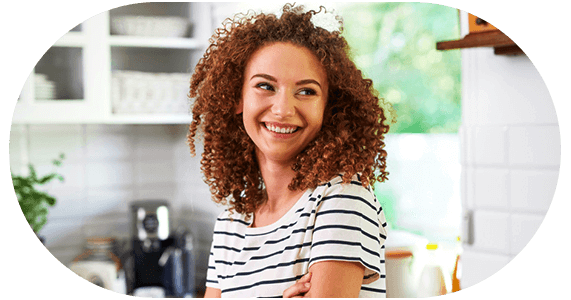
x=99 y=249
x=99 y=265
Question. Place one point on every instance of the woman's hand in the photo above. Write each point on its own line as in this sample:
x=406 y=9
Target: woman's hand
x=299 y=289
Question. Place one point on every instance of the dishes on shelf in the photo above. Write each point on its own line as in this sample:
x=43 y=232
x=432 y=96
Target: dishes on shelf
x=169 y=26
x=141 y=92
x=148 y=37
x=44 y=88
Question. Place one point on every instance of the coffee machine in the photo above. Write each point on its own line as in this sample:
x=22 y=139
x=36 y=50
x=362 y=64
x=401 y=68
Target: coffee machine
x=159 y=259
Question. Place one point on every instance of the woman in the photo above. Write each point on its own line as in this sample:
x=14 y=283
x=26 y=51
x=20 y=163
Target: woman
x=293 y=141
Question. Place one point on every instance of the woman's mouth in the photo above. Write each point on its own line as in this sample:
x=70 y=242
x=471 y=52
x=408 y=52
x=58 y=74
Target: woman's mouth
x=281 y=129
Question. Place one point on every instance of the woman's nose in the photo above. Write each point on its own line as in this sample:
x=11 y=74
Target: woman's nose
x=284 y=105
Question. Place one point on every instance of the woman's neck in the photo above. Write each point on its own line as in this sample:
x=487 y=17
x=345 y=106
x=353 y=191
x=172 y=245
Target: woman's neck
x=277 y=176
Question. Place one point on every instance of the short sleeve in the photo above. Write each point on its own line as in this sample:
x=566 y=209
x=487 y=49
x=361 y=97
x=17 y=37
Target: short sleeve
x=211 y=274
x=347 y=228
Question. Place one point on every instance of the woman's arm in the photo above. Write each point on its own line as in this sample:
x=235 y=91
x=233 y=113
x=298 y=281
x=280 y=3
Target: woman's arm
x=335 y=279
x=299 y=289
x=212 y=293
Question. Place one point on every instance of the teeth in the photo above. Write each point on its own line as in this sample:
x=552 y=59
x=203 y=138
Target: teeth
x=280 y=130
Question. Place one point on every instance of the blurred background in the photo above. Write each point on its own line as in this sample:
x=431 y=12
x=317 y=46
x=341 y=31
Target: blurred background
x=473 y=158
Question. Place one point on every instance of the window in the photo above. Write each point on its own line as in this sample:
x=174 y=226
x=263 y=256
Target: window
x=394 y=44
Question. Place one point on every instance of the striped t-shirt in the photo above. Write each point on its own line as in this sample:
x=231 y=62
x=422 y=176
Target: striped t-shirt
x=334 y=221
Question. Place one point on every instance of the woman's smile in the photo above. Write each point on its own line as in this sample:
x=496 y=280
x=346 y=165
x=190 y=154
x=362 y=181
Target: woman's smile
x=283 y=100
x=281 y=130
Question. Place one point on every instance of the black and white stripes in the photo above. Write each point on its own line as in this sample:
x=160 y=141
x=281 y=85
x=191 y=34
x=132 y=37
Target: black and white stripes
x=335 y=221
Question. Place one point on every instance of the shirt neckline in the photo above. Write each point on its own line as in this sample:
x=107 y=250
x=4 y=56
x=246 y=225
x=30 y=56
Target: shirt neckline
x=281 y=221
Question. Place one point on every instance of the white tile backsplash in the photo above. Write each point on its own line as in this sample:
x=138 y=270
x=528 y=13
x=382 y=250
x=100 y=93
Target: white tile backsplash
x=510 y=91
x=154 y=171
x=491 y=188
x=492 y=231
x=109 y=174
x=105 y=145
x=63 y=233
x=70 y=203
x=156 y=191
x=107 y=167
x=154 y=142
x=478 y=266
x=523 y=227
x=73 y=174
x=117 y=226
x=202 y=203
x=532 y=190
x=512 y=151
x=48 y=142
x=488 y=144
x=109 y=201
x=534 y=145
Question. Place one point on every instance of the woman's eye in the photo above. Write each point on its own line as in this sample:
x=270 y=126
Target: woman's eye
x=265 y=86
x=307 y=92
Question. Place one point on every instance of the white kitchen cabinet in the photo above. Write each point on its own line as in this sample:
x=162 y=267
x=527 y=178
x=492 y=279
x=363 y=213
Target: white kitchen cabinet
x=76 y=85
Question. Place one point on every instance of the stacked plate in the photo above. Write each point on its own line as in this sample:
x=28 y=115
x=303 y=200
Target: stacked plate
x=44 y=88
x=142 y=92
x=150 y=26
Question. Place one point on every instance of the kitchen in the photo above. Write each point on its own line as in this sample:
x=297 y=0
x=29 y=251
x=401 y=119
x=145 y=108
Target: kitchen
x=143 y=153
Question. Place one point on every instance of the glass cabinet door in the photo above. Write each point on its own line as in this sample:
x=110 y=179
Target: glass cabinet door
x=59 y=75
x=131 y=64
x=63 y=86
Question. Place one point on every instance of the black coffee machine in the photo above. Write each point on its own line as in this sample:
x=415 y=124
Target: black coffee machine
x=159 y=258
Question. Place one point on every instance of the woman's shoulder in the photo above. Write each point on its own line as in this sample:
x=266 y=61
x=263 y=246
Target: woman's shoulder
x=340 y=196
x=337 y=189
x=227 y=218
x=354 y=186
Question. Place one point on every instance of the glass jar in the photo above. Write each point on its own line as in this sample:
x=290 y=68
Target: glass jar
x=99 y=264
x=100 y=249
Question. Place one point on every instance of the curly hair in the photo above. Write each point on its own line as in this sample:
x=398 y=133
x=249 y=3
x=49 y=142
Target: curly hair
x=354 y=122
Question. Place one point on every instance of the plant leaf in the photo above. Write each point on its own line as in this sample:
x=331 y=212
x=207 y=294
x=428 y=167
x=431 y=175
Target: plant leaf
x=50 y=200
x=33 y=176
x=47 y=178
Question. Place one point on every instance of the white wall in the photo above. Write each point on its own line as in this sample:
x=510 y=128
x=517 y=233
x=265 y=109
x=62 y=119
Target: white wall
x=510 y=157
x=108 y=166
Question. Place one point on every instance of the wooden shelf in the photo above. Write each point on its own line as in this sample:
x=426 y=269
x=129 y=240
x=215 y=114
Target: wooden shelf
x=501 y=43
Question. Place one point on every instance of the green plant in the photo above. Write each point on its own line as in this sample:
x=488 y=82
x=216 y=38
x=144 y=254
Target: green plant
x=33 y=202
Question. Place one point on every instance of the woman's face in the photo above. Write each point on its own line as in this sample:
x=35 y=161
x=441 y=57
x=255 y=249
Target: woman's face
x=283 y=99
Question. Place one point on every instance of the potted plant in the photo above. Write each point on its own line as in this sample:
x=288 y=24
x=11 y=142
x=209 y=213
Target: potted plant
x=33 y=202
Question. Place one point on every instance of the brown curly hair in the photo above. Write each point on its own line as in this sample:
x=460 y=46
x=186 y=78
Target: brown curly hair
x=354 y=121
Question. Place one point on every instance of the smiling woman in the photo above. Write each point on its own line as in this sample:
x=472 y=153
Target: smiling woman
x=293 y=141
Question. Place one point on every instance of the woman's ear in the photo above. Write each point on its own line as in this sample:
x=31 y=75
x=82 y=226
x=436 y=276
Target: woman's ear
x=239 y=107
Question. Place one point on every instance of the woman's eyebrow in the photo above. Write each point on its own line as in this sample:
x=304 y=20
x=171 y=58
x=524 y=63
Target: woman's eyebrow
x=271 y=78
x=265 y=76
x=307 y=81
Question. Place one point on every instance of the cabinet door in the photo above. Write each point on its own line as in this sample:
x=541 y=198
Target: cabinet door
x=67 y=84
x=78 y=79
